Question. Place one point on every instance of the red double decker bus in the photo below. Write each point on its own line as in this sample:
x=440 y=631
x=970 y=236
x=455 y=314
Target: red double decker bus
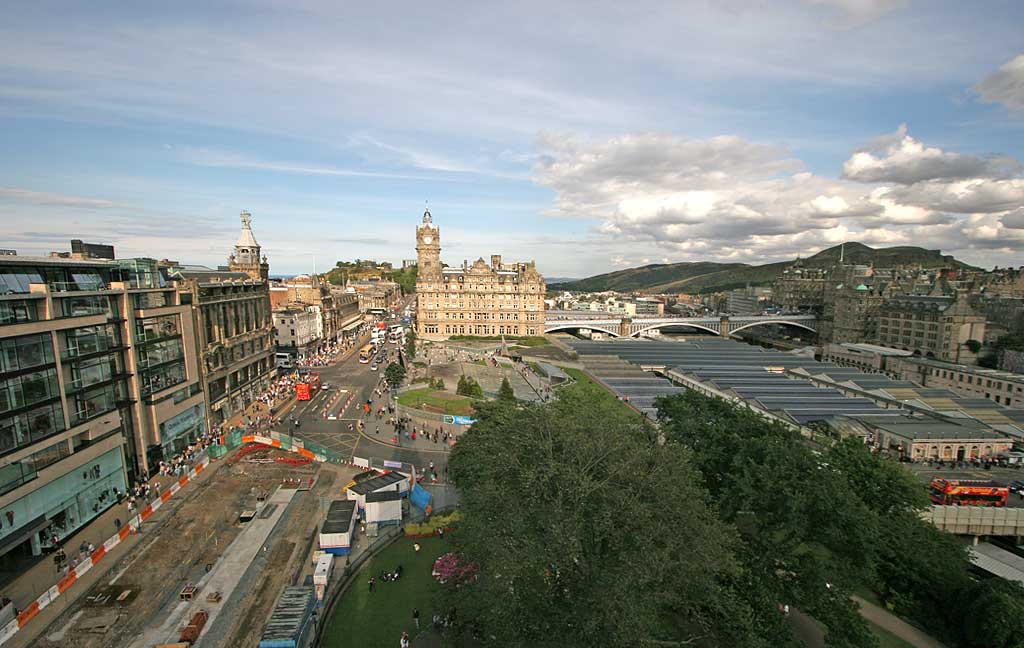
x=307 y=387
x=968 y=492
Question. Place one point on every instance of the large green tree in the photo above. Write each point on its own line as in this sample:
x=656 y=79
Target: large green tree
x=587 y=532
x=395 y=374
x=807 y=538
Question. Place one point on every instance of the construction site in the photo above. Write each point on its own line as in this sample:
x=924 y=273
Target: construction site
x=209 y=571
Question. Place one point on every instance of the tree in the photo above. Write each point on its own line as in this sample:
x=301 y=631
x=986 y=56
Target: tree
x=410 y=344
x=973 y=346
x=587 y=532
x=462 y=389
x=505 y=392
x=807 y=539
x=394 y=374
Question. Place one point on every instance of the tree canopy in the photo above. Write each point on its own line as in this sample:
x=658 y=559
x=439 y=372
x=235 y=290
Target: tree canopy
x=587 y=532
x=394 y=374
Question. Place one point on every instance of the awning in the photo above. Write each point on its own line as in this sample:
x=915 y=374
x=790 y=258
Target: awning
x=353 y=325
x=24 y=533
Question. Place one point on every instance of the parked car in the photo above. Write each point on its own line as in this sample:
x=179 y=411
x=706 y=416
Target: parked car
x=374 y=367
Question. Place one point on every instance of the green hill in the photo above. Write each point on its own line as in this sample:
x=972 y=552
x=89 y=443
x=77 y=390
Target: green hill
x=707 y=276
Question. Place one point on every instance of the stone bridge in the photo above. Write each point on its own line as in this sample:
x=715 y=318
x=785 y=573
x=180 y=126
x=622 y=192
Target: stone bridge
x=723 y=325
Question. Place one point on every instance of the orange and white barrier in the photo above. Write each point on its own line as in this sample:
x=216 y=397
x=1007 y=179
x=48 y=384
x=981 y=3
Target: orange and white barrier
x=50 y=595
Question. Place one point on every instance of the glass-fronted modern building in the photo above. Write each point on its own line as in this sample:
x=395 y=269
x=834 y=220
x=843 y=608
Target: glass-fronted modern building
x=98 y=382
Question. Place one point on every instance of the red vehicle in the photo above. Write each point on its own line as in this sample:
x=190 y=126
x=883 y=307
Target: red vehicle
x=308 y=386
x=968 y=492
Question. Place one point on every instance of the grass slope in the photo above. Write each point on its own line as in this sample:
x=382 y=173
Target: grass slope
x=362 y=618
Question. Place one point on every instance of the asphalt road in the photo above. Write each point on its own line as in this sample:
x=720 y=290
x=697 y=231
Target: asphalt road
x=350 y=377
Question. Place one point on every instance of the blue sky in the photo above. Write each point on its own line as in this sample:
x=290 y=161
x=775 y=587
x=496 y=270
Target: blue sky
x=588 y=136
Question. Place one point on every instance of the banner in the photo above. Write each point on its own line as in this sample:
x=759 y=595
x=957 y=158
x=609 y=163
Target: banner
x=459 y=420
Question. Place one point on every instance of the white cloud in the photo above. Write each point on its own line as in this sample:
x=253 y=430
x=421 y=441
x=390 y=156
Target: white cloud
x=215 y=158
x=1005 y=85
x=731 y=199
x=901 y=159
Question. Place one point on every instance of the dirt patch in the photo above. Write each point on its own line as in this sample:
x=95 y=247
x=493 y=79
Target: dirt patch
x=177 y=549
x=286 y=564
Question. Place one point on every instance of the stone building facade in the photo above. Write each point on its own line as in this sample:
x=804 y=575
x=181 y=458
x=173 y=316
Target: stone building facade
x=939 y=327
x=234 y=326
x=480 y=299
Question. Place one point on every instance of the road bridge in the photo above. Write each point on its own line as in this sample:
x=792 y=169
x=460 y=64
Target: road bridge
x=724 y=325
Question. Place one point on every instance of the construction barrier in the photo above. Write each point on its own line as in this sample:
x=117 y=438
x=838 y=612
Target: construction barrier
x=50 y=595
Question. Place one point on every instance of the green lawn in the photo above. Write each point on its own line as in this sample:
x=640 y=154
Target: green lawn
x=435 y=402
x=584 y=381
x=362 y=618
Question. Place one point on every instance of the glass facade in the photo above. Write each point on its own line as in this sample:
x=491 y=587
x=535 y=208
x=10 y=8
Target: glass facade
x=69 y=501
x=81 y=306
x=18 y=311
x=90 y=339
x=25 y=352
x=90 y=371
x=21 y=472
x=154 y=328
x=17 y=280
x=19 y=430
x=27 y=389
x=91 y=403
x=162 y=377
x=149 y=300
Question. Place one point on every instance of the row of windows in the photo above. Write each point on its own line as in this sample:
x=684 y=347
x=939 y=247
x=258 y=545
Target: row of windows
x=25 y=352
x=970 y=380
x=18 y=311
x=27 y=389
x=28 y=427
x=17 y=473
x=153 y=328
x=164 y=376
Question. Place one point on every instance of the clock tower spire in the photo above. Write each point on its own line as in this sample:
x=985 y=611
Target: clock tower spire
x=428 y=248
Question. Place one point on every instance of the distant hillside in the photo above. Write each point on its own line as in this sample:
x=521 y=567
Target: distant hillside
x=706 y=276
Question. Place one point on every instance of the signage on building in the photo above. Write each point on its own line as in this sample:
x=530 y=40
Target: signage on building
x=184 y=422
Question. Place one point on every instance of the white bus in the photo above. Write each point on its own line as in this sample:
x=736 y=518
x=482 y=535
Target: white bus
x=395 y=334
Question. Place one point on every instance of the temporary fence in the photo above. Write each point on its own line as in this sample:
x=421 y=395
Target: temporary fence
x=51 y=595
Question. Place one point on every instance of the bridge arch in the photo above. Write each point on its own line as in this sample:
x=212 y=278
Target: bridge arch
x=674 y=324
x=789 y=322
x=575 y=326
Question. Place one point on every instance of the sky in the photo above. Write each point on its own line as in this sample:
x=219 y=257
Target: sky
x=589 y=136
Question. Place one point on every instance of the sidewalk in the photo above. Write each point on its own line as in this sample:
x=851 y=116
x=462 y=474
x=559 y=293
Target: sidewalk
x=889 y=621
x=43 y=575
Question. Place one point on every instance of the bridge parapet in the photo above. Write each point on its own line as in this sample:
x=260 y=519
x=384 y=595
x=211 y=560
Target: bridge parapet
x=977 y=520
x=718 y=324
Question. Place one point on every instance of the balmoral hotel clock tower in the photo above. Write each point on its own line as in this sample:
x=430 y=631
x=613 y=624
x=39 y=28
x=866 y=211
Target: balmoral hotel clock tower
x=475 y=299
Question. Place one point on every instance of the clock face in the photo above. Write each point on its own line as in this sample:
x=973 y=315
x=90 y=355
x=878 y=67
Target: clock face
x=428 y=239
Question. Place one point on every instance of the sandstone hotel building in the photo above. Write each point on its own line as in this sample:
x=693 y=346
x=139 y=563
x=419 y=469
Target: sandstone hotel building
x=477 y=299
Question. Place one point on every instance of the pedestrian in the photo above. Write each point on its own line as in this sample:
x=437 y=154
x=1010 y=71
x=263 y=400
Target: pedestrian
x=416 y=617
x=373 y=581
x=405 y=640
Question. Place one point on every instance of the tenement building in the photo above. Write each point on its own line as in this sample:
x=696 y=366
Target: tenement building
x=480 y=299
x=234 y=327
x=99 y=381
x=940 y=327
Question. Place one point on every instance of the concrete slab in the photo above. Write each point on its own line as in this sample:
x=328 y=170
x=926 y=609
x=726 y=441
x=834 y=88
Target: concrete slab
x=223 y=578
